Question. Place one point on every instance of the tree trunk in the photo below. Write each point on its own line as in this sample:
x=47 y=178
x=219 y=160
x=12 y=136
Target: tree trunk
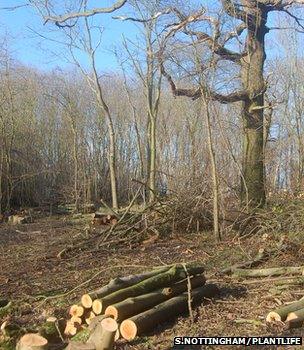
x=253 y=191
x=152 y=158
x=112 y=162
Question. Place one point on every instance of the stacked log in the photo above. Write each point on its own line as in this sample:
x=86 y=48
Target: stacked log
x=138 y=303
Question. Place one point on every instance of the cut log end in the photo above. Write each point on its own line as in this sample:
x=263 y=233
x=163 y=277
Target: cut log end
x=70 y=329
x=128 y=330
x=86 y=301
x=167 y=291
x=291 y=316
x=76 y=319
x=273 y=317
x=97 y=307
x=109 y=324
x=32 y=341
x=90 y=317
x=112 y=311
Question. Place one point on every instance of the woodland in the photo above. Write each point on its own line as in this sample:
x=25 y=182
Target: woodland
x=161 y=197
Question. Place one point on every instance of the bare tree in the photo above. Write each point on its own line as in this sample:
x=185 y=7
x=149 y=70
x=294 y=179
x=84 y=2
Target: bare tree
x=251 y=17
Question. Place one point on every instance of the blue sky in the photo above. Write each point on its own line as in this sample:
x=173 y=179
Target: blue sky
x=33 y=50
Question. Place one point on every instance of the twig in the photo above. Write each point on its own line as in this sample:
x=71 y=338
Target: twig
x=189 y=289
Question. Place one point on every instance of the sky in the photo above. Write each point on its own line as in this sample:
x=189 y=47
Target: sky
x=21 y=26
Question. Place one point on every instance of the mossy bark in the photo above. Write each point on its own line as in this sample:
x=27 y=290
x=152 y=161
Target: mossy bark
x=123 y=282
x=136 y=305
x=176 y=273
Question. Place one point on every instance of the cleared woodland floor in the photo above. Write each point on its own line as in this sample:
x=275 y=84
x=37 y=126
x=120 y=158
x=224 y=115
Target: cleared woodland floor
x=31 y=272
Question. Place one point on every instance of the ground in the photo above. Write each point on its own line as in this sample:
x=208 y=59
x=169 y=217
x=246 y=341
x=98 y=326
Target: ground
x=43 y=284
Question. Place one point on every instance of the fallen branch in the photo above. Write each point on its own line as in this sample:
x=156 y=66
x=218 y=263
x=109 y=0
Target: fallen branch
x=274 y=271
x=262 y=256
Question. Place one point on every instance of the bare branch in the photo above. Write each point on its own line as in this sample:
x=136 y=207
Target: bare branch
x=197 y=93
x=88 y=13
x=13 y=8
x=143 y=20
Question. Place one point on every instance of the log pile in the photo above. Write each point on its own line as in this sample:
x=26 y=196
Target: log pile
x=134 y=305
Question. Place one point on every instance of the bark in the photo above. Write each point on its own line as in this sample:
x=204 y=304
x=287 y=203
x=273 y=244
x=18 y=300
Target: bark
x=176 y=273
x=274 y=271
x=123 y=282
x=214 y=173
x=253 y=191
x=147 y=320
x=32 y=341
x=281 y=313
x=132 y=306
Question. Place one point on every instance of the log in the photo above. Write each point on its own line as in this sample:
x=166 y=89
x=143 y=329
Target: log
x=70 y=328
x=132 y=306
x=86 y=301
x=281 y=313
x=117 y=284
x=76 y=310
x=90 y=317
x=32 y=341
x=76 y=319
x=148 y=320
x=97 y=307
x=104 y=334
x=295 y=315
x=84 y=334
x=275 y=271
x=176 y=273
